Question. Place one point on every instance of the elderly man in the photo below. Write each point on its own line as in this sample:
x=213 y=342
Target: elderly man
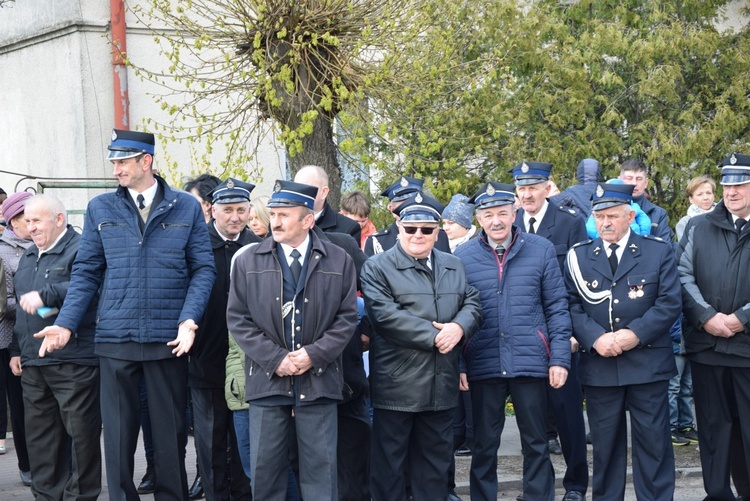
x=522 y=345
x=714 y=261
x=624 y=296
x=147 y=248
x=292 y=309
x=421 y=306
x=563 y=227
x=397 y=193
x=326 y=218
x=214 y=431
x=60 y=389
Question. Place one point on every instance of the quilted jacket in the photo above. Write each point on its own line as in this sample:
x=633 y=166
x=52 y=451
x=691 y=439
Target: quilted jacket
x=151 y=281
x=526 y=327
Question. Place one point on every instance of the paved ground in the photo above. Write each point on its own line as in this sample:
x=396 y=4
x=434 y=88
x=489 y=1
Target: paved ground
x=689 y=483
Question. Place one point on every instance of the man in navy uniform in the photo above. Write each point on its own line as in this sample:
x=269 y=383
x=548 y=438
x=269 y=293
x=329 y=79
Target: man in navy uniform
x=564 y=228
x=624 y=296
x=522 y=345
x=292 y=309
x=714 y=261
x=146 y=247
x=397 y=193
x=214 y=428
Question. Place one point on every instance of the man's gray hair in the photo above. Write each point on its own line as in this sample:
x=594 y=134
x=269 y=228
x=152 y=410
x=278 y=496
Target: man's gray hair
x=52 y=205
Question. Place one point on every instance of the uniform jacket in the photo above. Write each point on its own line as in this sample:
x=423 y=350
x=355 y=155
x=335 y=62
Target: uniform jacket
x=50 y=276
x=389 y=236
x=562 y=226
x=645 y=298
x=714 y=274
x=254 y=318
x=151 y=281
x=403 y=298
x=209 y=351
x=330 y=220
x=526 y=326
x=11 y=250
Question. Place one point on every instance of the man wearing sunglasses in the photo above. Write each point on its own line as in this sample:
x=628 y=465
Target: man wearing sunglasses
x=421 y=307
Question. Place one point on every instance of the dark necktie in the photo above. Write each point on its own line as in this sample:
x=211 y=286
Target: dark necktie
x=531 y=225
x=500 y=251
x=296 y=266
x=739 y=224
x=141 y=202
x=423 y=262
x=613 y=257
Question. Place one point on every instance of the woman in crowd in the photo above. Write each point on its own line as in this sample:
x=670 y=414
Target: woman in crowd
x=700 y=193
x=259 y=217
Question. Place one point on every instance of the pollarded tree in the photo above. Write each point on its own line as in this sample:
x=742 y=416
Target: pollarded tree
x=241 y=62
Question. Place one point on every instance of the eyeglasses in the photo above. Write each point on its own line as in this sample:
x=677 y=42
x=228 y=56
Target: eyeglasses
x=426 y=230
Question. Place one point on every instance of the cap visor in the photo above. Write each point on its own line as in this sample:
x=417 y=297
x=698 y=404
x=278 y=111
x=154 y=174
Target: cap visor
x=606 y=204
x=732 y=180
x=123 y=154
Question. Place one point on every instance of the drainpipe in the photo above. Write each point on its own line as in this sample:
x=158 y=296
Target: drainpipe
x=119 y=70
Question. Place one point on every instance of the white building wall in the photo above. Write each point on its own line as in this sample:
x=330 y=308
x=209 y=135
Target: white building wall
x=57 y=103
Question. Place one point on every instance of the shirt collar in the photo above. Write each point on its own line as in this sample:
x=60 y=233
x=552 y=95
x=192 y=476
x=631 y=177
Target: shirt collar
x=57 y=241
x=148 y=194
x=225 y=238
x=538 y=217
x=302 y=248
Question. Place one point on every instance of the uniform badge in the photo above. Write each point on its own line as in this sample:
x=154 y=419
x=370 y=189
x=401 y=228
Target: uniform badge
x=632 y=294
x=404 y=182
x=595 y=284
x=491 y=190
x=418 y=198
x=114 y=135
x=277 y=187
x=733 y=159
x=525 y=167
x=640 y=292
x=230 y=184
x=599 y=191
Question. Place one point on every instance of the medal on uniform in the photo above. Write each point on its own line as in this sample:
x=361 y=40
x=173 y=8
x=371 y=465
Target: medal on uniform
x=595 y=284
x=640 y=291
x=632 y=294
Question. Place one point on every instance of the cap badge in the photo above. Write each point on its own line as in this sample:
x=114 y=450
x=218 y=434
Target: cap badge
x=277 y=187
x=230 y=184
x=404 y=182
x=733 y=159
x=524 y=167
x=114 y=135
x=599 y=191
x=418 y=198
x=490 y=190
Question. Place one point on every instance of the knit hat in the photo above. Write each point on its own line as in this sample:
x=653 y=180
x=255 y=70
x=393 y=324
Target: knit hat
x=15 y=204
x=459 y=210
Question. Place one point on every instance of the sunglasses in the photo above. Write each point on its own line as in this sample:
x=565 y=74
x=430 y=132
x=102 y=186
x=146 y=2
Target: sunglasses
x=411 y=230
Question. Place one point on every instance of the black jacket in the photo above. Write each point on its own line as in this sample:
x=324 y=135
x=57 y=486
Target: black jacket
x=332 y=221
x=49 y=274
x=714 y=264
x=209 y=352
x=403 y=298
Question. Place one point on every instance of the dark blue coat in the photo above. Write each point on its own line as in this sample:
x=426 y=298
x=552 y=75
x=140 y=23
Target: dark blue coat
x=526 y=326
x=562 y=226
x=647 y=266
x=151 y=281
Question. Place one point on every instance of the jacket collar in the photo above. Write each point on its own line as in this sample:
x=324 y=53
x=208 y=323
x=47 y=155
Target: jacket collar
x=58 y=248
x=720 y=216
x=169 y=193
x=246 y=236
x=268 y=245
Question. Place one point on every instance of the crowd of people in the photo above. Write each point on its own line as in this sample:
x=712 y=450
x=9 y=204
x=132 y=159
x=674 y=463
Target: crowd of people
x=246 y=318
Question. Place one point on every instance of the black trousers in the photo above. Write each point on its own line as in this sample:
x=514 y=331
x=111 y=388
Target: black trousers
x=653 y=457
x=721 y=395
x=530 y=403
x=12 y=385
x=166 y=387
x=425 y=440
x=63 y=400
x=353 y=450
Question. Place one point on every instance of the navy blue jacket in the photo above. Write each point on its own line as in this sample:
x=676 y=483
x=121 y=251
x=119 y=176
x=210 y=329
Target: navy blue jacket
x=150 y=282
x=562 y=226
x=645 y=298
x=659 y=218
x=526 y=326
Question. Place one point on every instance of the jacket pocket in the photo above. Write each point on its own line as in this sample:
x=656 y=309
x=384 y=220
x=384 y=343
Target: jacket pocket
x=405 y=364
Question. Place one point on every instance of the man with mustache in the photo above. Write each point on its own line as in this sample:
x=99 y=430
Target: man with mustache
x=522 y=345
x=624 y=296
